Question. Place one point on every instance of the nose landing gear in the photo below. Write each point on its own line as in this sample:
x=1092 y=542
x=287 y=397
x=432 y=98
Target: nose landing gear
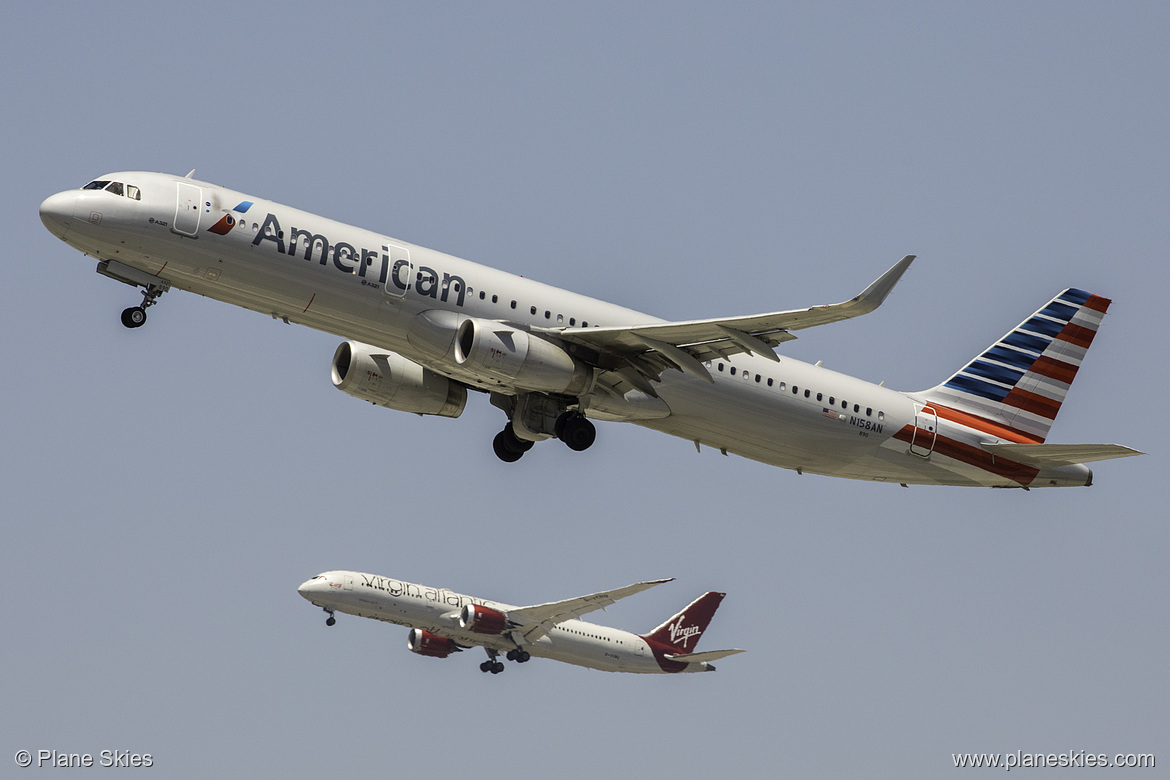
x=135 y=316
x=153 y=286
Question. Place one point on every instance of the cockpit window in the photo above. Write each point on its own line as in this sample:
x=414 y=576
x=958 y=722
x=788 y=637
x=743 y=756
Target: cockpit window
x=115 y=187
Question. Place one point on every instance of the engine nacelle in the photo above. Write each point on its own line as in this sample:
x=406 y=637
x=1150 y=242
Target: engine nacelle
x=388 y=379
x=519 y=359
x=482 y=620
x=426 y=643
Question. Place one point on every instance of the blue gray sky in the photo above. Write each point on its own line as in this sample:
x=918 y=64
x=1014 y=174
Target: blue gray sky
x=165 y=490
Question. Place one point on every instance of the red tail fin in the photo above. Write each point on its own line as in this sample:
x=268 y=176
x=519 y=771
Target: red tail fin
x=681 y=632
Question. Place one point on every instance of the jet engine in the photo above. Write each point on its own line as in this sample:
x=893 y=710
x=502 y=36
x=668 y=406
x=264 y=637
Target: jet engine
x=388 y=379
x=492 y=352
x=426 y=643
x=482 y=620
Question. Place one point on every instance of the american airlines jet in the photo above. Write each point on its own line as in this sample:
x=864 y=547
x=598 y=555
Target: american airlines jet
x=442 y=623
x=423 y=328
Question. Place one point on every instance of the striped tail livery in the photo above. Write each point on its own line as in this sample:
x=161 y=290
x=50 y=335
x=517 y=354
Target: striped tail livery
x=995 y=413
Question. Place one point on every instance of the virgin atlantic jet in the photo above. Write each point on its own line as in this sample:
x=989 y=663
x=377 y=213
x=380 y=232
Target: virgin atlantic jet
x=442 y=623
x=423 y=328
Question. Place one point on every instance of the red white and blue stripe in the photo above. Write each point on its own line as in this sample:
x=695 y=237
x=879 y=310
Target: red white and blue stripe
x=1019 y=383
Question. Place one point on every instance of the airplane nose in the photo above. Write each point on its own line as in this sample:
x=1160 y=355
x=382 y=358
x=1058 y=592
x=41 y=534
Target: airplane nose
x=309 y=587
x=57 y=213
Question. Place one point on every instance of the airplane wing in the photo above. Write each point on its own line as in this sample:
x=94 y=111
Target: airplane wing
x=1041 y=455
x=710 y=655
x=534 y=622
x=652 y=348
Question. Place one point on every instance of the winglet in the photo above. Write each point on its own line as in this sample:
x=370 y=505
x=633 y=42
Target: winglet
x=871 y=297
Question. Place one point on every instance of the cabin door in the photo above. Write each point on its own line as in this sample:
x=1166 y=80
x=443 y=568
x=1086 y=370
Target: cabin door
x=400 y=275
x=187 y=209
x=925 y=432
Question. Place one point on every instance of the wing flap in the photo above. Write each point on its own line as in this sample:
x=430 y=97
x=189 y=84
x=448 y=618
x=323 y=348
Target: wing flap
x=1042 y=455
x=684 y=345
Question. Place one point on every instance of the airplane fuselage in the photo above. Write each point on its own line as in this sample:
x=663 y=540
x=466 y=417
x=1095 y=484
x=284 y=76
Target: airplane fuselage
x=436 y=611
x=371 y=288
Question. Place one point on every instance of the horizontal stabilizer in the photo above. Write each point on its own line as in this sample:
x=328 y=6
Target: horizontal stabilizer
x=695 y=658
x=1044 y=455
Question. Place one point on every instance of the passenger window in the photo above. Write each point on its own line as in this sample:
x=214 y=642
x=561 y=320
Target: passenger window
x=495 y=299
x=513 y=304
x=820 y=396
x=533 y=310
x=869 y=411
x=482 y=295
x=783 y=385
x=572 y=322
x=757 y=377
x=832 y=400
x=733 y=370
x=807 y=393
x=720 y=366
x=881 y=415
x=844 y=404
x=795 y=389
x=769 y=381
x=856 y=408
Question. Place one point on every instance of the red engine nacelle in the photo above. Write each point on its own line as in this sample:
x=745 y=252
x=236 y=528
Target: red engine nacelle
x=426 y=643
x=482 y=620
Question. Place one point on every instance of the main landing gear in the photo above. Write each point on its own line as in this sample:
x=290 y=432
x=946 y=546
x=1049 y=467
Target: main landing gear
x=493 y=664
x=509 y=447
x=573 y=428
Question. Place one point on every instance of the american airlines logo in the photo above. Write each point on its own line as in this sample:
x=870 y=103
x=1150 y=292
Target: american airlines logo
x=389 y=268
x=684 y=633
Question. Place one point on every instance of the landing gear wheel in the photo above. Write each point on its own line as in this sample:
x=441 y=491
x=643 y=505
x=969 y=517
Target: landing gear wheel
x=134 y=317
x=497 y=667
x=508 y=447
x=510 y=655
x=329 y=621
x=522 y=656
x=576 y=431
x=487 y=665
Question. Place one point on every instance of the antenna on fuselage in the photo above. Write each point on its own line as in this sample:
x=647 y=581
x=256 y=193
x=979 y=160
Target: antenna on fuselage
x=190 y=174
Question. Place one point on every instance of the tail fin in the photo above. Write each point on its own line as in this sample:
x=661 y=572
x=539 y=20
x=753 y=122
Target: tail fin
x=1021 y=380
x=682 y=631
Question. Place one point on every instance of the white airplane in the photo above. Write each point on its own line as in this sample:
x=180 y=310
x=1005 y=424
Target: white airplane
x=424 y=327
x=442 y=622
